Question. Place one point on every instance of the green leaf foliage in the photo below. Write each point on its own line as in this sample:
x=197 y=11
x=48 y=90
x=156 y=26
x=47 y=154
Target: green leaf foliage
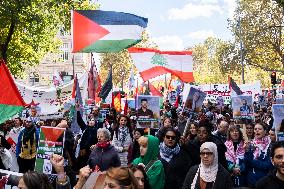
x=28 y=29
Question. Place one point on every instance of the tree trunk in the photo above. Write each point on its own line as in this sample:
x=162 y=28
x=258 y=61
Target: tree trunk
x=4 y=47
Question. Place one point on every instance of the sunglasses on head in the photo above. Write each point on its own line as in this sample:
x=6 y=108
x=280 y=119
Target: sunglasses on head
x=170 y=137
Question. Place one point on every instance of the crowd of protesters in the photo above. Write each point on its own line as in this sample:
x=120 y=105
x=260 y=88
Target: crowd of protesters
x=190 y=150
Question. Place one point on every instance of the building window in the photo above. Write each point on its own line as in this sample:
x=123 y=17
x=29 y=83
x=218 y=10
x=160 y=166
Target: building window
x=64 y=56
x=33 y=78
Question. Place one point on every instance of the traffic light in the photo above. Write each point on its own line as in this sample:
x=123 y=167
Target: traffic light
x=273 y=78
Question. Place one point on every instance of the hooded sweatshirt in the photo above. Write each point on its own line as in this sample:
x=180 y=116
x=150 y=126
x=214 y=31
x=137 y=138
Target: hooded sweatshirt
x=155 y=173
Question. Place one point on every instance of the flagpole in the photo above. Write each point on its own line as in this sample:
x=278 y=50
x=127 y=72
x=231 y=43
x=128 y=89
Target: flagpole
x=73 y=66
x=241 y=46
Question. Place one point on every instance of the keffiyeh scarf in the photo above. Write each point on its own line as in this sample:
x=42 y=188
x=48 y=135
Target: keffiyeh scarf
x=261 y=145
x=167 y=153
x=122 y=133
x=232 y=155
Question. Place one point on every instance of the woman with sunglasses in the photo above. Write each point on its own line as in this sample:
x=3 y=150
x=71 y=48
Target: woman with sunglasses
x=173 y=158
x=209 y=173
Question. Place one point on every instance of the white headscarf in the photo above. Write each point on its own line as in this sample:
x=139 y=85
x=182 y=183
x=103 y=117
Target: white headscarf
x=207 y=173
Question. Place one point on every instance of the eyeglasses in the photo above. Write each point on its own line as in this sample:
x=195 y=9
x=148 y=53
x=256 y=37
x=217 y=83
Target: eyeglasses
x=206 y=153
x=170 y=137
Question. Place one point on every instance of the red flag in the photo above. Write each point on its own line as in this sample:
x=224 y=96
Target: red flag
x=125 y=107
x=154 y=91
x=74 y=87
x=11 y=101
x=91 y=84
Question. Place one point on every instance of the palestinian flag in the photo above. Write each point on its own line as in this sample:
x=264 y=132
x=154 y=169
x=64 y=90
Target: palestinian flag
x=152 y=63
x=233 y=86
x=105 y=31
x=11 y=101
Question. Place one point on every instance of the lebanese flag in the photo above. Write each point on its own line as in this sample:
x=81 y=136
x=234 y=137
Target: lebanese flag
x=105 y=31
x=152 y=63
x=11 y=101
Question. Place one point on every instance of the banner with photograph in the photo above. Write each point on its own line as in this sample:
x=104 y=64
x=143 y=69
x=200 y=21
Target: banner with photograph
x=279 y=100
x=148 y=111
x=50 y=99
x=278 y=116
x=51 y=141
x=215 y=90
x=262 y=100
x=242 y=107
x=195 y=99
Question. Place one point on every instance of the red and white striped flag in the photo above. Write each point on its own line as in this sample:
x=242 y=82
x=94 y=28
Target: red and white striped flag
x=152 y=63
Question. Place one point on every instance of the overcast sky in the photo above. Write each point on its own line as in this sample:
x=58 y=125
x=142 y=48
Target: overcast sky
x=177 y=24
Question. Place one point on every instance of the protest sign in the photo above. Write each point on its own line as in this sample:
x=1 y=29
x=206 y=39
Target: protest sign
x=220 y=102
x=215 y=90
x=50 y=99
x=262 y=100
x=51 y=140
x=195 y=99
x=148 y=113
x=172 y=97
x=9 y=179
x=130 y=102
x=242 y=107
x=279 y=100
x=95 y=181
x=12 y=138
x=278 y=116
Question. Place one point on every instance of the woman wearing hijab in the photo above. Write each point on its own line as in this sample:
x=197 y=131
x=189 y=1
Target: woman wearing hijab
x=122 y=139
x=257 y=156
x=175 y=159
x=149 y=151
x=235 y=155
x=209 y=174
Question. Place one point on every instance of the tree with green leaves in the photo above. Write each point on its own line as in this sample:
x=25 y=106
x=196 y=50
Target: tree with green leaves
x=28 y=29
x=258 y=24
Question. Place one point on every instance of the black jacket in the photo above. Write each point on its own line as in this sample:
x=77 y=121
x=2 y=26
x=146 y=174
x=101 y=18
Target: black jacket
x=5 y=144
x=104 y=158
x=176 y=169
x=193 y=147
x=270 y=181
x=223 y=179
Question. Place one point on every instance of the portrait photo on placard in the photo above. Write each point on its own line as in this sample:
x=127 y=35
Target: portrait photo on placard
x=148 y=111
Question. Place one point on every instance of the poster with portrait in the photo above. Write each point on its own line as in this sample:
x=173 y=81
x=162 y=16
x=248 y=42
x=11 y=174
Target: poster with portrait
x=261 y=100
x=220 y=102
x=172 y=97
x=279 y=100
x=148 y=111
x=242 y=107
x=278 y=116
x=195 y=99
x=51 y=141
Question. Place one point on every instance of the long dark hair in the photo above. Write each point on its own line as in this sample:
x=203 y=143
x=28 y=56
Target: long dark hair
x=135 y=168
x=33 y=179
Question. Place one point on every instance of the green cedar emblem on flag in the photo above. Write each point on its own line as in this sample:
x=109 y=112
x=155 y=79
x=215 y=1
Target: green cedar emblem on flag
x=159 y=59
